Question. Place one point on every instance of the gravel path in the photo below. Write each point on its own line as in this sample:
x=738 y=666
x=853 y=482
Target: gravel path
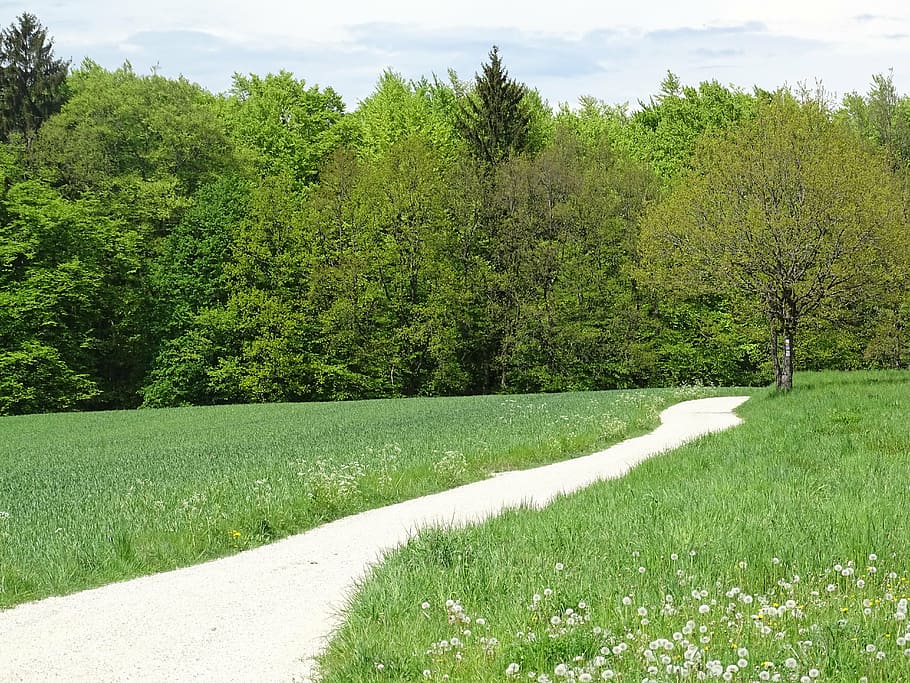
x=262 y=614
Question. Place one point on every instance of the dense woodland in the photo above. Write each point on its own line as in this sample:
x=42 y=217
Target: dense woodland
x=162 y=245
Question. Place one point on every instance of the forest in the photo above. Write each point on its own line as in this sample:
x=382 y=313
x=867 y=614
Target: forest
x=162 y=245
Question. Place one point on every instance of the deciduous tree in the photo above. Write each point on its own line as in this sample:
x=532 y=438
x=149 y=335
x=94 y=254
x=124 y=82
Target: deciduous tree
x=789 y=208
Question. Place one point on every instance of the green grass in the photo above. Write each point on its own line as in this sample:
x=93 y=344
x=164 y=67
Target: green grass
x=781 y=547
x=90 y=498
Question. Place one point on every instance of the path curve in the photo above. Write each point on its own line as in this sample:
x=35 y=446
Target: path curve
x=262 y=614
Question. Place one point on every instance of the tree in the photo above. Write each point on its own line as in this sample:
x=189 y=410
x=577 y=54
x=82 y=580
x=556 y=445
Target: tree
x=398 y=109
x=59 y=262
x=32 y=82
x=790 y=208
x=494 y=119
x=882 y=117
x=289 y=128
x=664 y=132
x=144 y=143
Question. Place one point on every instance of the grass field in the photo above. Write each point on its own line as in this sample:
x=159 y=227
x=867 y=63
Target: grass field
x=90 y=498
x=776 y=551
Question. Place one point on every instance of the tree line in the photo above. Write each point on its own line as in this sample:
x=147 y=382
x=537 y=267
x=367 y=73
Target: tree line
x=162 y=245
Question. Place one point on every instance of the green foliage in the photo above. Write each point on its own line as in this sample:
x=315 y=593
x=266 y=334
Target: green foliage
x=562 y=302
x=398 y=109
x=57 y=259
x=289 y=128
x=383 y=289
x=190 y=270
x=665 y=131
x=494 y=119
x=789 y=210
x=35 y=379
x=882 y=117
x=126 y=136
x=443 y=238
x=32 y=81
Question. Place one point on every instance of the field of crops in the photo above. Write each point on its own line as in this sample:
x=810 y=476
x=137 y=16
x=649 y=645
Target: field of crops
x=90 y=498
x=776 y=551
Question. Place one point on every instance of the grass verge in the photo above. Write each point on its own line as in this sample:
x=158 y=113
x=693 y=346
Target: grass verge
x=776 y=551
x=91 y=498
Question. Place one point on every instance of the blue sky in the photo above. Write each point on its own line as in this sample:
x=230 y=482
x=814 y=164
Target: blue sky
x=618 y=52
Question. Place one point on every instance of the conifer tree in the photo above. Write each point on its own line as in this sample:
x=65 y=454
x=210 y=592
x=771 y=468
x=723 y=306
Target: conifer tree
x=493 y=119
x=32 y=81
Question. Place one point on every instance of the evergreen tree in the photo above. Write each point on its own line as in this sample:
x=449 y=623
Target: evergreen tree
x=32 y=81
x=493 y=119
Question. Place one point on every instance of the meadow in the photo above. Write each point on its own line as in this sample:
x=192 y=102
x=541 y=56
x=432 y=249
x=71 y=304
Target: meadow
x=775 y=551
x=91 y=498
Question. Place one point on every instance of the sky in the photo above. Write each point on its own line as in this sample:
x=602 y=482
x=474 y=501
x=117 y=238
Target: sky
x=616 y=52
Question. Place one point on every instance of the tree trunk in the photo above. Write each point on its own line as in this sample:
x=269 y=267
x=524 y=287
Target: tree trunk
x=785 y=375
x=775 y=358
x=788 y=332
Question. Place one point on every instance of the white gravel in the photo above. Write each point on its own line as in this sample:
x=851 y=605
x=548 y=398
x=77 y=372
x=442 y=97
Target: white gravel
x=262 y=614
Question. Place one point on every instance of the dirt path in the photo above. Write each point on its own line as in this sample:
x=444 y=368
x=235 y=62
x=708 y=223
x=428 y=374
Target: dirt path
x=260 y=615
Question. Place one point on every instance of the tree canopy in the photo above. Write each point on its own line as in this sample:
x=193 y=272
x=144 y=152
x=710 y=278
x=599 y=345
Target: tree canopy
x=789 y=208
x=163 y=245
x=32 y=80
x=494 y=119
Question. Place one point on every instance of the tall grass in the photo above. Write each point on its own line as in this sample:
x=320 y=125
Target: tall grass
x=776 y=551
x=91 y=498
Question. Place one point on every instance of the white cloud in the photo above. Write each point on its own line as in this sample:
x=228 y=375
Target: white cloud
x=617 y=51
